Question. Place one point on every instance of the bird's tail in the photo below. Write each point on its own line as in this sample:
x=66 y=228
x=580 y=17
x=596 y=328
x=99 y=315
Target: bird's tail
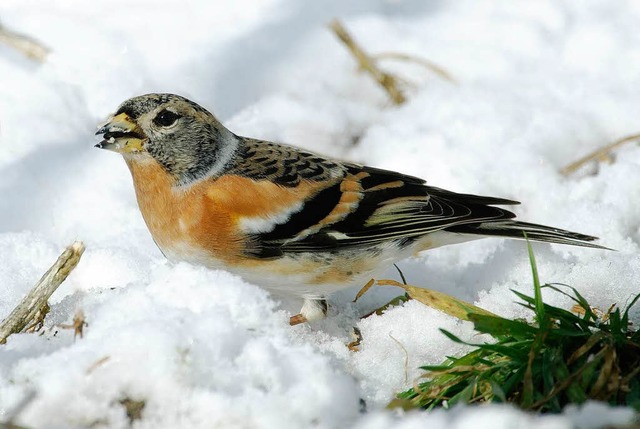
x=534 y=232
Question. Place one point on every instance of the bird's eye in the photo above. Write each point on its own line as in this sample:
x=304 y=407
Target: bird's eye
x=166 y=118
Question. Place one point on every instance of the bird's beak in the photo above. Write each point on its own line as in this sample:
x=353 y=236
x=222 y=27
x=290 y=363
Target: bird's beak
x=121 y=134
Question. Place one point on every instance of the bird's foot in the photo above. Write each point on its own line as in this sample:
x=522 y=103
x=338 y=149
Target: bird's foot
x=312 y=310
x=297 y=319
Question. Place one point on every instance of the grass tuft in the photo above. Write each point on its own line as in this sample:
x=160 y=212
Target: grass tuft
x=560 y=358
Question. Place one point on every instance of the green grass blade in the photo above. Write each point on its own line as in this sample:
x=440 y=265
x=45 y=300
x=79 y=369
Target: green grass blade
x=496 y=326
x=633 y=302
x=453 y=337
x=539 y=304
x=577 y=298
x=497 y=391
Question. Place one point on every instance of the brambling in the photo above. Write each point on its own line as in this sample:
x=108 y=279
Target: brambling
x=284 y=218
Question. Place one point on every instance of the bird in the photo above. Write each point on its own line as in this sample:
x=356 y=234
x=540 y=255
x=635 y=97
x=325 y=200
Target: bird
x=289 y=220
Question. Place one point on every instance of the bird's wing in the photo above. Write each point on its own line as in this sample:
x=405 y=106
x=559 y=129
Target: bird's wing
x=365 y=207
x=283 y=165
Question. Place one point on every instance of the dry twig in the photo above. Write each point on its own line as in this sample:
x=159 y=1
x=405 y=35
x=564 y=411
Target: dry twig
x=34 y=304
x=25 y=44
x=439 y=70
x=77 y=325
x=438 y=300
x=406 y=357
x=604 y=153
x=354 y=345
x=97 y=364
x=134 y=408
x=387 y=81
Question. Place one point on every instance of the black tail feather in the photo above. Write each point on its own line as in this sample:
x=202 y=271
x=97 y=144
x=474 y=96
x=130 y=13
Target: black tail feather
x=534 y=232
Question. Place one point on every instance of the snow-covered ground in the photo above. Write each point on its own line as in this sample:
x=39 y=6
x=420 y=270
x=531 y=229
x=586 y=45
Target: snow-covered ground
x=539 y=84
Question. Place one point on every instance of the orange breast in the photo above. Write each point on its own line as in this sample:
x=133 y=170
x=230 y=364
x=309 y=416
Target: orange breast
x=202 y=221
x=182 y=222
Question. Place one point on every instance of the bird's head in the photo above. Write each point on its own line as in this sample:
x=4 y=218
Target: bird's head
x=183 y=137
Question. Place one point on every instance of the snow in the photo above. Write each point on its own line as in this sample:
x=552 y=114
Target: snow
x=538 y=85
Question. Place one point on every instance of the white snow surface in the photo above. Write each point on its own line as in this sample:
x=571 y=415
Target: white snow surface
x=539 y=83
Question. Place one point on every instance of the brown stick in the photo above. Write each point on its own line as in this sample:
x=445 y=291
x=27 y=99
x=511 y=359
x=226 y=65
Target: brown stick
x=35 y=303
x=25 y=44
x=439 y=70
x=388 y=82
x=599 y=154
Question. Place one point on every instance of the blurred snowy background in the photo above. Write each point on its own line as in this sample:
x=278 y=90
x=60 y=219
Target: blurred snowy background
x=538 y=85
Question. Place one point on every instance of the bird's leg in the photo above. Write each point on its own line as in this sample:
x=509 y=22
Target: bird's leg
x=312 y=309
